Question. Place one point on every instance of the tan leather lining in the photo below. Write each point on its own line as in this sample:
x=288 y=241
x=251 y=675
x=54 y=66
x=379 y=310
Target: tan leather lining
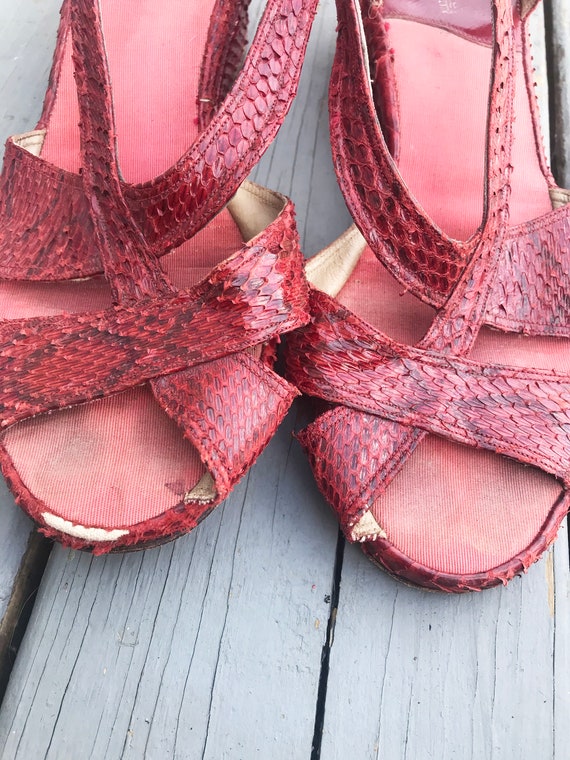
x=204 y=490
x=31 y=141
x=367 y=529
x=330 y=269
x=254 y=207
x=527 y=6
x=559 y=196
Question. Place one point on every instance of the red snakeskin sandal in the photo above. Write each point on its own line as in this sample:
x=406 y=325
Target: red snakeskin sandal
x=445 y=447
x=135 y=395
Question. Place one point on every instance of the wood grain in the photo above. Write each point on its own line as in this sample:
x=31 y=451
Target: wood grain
x=27 y=36
x=211 y=647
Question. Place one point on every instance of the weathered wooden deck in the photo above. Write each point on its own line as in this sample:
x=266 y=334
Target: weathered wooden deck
x=262 y=635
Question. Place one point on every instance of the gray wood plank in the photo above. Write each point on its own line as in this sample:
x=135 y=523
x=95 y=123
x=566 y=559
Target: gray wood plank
x=557 y=17
x=207 y=647
x=446 y=677
x=558 y=26
x=561 y=606
x=210 y=646
x=25 y=57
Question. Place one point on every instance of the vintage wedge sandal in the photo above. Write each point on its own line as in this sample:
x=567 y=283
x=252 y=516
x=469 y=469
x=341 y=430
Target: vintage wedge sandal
x=445 y=445
x=135 y=395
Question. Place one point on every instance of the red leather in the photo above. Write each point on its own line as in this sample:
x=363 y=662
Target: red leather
x=482 y=405
x=191 y=345
x=387 y=396
x=174 y=206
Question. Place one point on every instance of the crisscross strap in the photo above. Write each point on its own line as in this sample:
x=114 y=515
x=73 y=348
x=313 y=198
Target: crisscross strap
x=174 y=206
x=456 y=326
x=523 y=413
x=52 y=362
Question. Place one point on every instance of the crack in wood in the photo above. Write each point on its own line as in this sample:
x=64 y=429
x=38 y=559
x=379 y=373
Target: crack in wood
x=326 y=652
x=15 y=621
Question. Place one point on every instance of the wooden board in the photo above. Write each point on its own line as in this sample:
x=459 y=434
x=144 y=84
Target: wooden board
x=420 y=675
x=217 y=645
x=557 y=22
x=24 y=66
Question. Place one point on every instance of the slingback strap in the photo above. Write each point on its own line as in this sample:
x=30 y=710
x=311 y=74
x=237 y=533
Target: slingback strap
x=174 y=206
x=382 y=385
x=131 y=269
x=201 y=182
x=223 y=56
x=396 y=228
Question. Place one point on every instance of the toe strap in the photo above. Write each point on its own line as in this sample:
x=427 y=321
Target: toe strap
x=391 y=395
x=229 y=409
x=354 y=457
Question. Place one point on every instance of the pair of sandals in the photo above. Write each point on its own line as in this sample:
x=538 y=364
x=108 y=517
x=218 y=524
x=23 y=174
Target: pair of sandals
x=136 y=393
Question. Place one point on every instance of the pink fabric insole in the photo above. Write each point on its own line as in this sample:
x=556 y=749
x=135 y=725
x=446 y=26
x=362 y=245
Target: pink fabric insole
x=453 y=508
x=122 y=460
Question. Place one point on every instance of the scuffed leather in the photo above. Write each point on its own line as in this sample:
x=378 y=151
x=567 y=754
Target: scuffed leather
x=191 y=345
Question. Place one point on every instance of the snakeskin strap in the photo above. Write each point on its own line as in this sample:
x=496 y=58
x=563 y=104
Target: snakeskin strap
x=174 y=206
x=223 y=56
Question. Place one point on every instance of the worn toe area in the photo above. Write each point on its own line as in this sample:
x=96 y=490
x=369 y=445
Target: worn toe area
x=118 y=461
x=453 y=509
